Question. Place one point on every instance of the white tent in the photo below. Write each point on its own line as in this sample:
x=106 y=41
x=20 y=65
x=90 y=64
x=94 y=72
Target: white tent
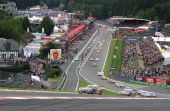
x=56 y=29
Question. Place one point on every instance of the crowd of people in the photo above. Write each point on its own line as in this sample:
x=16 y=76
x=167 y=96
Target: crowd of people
x=150 y=52
x=148 y=72
x=130 y=51
x=36 y=67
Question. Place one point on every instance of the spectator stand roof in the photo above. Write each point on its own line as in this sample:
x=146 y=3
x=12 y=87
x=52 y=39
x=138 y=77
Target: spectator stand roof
x=75 y=31
x=129 y=19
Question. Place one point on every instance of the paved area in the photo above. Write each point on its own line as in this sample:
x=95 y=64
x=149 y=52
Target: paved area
x=71 y=71
x=85 y=105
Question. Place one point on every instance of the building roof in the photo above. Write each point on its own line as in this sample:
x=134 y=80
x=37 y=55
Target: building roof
x=125 y=18
x=8 y=44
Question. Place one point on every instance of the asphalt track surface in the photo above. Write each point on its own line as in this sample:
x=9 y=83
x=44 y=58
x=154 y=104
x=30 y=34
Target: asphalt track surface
x=89 y=72
x=85 y=105
x=72 y=75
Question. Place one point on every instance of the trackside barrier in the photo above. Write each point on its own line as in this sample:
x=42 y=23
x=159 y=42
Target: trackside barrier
x=61 y=82
x=145 y=83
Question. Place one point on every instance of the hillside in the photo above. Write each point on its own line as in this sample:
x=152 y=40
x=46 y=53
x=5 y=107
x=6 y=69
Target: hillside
x=151 y=9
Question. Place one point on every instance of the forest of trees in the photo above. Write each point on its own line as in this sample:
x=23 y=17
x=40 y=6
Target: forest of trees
x=150 y=9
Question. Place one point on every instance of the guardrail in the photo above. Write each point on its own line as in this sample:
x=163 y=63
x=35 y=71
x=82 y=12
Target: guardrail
x=61 y=81
x=150 y=84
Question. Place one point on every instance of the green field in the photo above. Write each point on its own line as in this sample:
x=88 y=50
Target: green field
x=109 y=58
x=83 y=84
x=114 y=62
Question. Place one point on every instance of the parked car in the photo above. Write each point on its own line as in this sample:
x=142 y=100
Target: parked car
x=60 y=61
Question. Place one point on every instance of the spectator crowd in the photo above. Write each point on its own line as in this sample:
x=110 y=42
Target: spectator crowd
x=130 y=52
x=151 y=53
x=36 y=67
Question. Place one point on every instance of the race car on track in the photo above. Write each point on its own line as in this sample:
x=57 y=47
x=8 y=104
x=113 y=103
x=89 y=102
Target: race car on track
x=90 y=89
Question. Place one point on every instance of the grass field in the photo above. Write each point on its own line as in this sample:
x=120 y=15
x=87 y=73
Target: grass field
x=109 y=58
x=83 y=84
x=118 y=51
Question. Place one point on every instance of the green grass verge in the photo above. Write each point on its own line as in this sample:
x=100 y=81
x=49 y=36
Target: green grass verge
x=83 y=84
x=116 y=62
x=109 y=93
x=109 y=58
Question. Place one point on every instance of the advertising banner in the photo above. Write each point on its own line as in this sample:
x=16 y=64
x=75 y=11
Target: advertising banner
x=155 y=80
x=149 y=80
x=161 y=81
x=141 y=79
x=55 y=54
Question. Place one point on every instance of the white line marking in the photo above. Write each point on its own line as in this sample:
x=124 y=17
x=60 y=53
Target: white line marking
x=86 y=78
x=79 y=55
x=82 y=98
x=106 y=56
x=35 y=91
x=76 y=57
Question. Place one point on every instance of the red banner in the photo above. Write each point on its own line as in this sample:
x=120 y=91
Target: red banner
x=161 y=81
x=155 y=80
x=150 y=80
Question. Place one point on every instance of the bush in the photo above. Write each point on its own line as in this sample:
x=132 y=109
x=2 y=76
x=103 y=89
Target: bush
x=168 y=82
x=15 y=69
x=52 y=72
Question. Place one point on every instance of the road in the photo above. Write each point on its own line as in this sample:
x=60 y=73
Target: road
x=71 y=71
x=85 y=104
x=89 y=73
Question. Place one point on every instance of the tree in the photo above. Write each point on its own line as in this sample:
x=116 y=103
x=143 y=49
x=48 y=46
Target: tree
x=11 y=29
x=48 y=25
x=25 y=23
x=45 y=50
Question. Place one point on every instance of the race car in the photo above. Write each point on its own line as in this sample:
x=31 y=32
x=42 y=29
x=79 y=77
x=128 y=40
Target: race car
x=86 y=90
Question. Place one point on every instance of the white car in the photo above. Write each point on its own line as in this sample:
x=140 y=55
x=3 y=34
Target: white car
x=148 y=94
x=95 y=89
x=94 y=64
x=111 y=81
x=100 y=73
x=86 y=90
x=76 y=59
x=119 y=84
x=97 y=59
x=104 y=77
x=141 y=91
x=126 y=93
x=91 y=59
